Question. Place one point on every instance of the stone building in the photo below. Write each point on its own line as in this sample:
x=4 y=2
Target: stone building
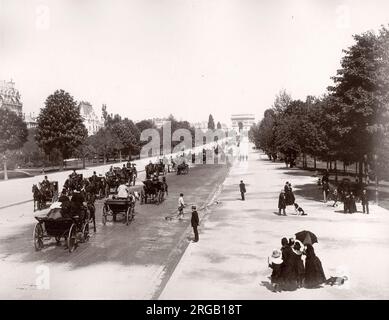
x=90 y=119
x=10 y=97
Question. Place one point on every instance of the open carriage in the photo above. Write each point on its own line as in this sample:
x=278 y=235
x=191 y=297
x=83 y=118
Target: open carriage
x=122 y=206
x=153 y=191
x=73 y=229
x=44 y=194
x=182 y=168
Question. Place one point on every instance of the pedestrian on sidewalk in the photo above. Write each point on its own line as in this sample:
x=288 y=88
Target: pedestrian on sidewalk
x=195 y=223
x=353 y=206
x=365 y=201
x=326 y=190
x=288 y=270
x=335 y=195
x=275 y=263
x=314 y=274
x=242 y=188
x=181 y=206
x=282 y=203
x=298 y=249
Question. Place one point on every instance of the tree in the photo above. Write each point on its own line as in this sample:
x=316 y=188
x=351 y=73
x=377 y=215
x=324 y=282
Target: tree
x=60 y=126
x=361 y=96
x=211 y=122
x=13 y=133
x=128 y=135
x=144 y=125
x=218 y=126
x=30 y=149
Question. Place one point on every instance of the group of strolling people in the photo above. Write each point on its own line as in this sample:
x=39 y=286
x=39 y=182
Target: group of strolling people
x=345 y=193
x=290 y=272
x=286 y=198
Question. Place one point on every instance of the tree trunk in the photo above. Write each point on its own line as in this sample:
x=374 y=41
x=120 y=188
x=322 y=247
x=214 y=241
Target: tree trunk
x=120 y=155
x=336 y=171
x=5 y=169
x=83 y=161
x=61 y=160
x=327 y=164
x=344 y=167
x=360 y=172
x=314 y=162
x=330 y=165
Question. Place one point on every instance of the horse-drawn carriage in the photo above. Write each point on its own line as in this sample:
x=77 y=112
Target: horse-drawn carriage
x=112 y=183
x=182 y=168
x=97 y=185
x=153 y=191
x=75 y=181
x=124 y=206
x=157 y=169
x=74 y=228
x=44 y=193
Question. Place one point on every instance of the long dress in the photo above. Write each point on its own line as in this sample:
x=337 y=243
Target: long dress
x=288 y=270
x=314 y=273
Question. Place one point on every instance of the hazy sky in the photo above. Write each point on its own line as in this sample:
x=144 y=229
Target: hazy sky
x=147 y=58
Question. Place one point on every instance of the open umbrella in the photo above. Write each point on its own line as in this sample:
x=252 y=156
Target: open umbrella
x=306 y=237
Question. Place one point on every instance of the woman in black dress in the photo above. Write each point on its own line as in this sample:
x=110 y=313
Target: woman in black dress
x=314 y=274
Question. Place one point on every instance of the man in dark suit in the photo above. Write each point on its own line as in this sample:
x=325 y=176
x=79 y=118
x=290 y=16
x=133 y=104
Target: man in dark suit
x=195 y=223
x=242 y=187
x=365 y=201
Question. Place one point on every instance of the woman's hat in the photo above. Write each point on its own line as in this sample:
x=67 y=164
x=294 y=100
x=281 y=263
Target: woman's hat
x=194 y=207
x=276 y=257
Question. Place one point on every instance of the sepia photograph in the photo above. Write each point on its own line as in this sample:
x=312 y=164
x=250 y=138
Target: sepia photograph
x=194 y=150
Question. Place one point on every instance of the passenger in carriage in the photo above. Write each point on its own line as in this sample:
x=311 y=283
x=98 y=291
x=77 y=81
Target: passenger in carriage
x=73 y=174
x=45 y=183
x=77 y=204
x=122 y=190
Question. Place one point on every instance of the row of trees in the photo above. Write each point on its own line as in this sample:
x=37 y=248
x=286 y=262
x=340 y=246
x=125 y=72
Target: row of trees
x=60 y=134
x=349 y=123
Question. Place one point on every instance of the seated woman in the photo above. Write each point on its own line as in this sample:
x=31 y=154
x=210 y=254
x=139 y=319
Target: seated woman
x=122 y=190
x=314 y=274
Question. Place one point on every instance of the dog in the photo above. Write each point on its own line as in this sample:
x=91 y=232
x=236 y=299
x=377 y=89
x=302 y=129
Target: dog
x=336 y=281
x=299 y=210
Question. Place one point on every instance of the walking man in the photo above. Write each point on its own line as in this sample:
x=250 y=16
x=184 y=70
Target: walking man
x=242 y=187
x=365 y=201
x=195 y=223
x=282 y=203
x=181 y=206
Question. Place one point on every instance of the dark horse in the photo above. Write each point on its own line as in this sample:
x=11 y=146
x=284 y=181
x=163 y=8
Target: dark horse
x=39 y=198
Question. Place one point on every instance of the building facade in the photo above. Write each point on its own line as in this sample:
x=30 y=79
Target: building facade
x=242 y=122
x=10 y=97
x=90 y=119
x=31 y=121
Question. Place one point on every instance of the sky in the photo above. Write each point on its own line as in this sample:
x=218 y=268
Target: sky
x=189 y=58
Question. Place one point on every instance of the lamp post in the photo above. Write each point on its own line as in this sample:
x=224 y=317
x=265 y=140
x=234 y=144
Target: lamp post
x=376 y=178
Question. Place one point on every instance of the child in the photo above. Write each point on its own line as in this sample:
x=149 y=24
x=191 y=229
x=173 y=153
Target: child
x=274 y=263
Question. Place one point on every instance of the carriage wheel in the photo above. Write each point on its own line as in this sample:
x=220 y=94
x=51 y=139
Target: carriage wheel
x=72 y=238
x=85 y=231
x=58 y=239
x=38 y=237
x=104 y=216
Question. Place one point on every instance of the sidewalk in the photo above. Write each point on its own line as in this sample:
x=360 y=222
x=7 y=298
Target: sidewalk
x=236 y=237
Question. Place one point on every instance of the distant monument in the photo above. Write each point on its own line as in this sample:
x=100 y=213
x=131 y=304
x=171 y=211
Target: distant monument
x=242 y=122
